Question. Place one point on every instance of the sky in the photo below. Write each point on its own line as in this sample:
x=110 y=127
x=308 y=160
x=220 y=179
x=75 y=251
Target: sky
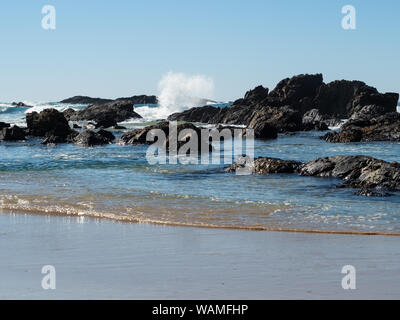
x=124 y=47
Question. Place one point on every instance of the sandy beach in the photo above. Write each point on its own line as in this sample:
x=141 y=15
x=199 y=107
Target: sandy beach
x=100 y=259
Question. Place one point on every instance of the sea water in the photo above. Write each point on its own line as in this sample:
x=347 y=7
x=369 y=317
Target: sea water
x=116 y=182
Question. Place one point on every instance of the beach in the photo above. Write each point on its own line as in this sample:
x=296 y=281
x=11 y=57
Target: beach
x=103 y=259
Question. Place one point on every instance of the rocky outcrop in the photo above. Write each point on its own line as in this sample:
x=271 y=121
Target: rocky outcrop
x=91 y=138
x=13 y=133
x=357 y=171
x=366 y=128
x=141 y=99
x=105 y=115
x=142 y=136
x=202 y=115
x=297 y=92
x=303 y=97
x=343 y=98
x=313 y=118
x=50 y=124
x=368 y=174
x=20 y=104
x=270 y=166
x=85 y=100
x=284 y=119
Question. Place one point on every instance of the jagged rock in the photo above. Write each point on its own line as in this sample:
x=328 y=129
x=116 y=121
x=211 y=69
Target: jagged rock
x=49 y=123
x=357 y=171
x=283 y=119
x=382 y=128
x=306 y=102
x=14 y=133
x=139 y=136
x=366 y=173
x=202 y=115
x=314 y=119
x=269 y=166
x=90 y=138
x=343 y=98
x=298 y=92
x=108 y=113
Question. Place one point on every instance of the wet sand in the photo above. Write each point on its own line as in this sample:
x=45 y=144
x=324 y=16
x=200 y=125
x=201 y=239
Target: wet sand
x=101 y=259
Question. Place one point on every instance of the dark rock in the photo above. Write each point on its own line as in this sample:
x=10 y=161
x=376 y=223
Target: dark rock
x=365 y=129
x=357 y=171
x=140 y=136
x=283 y=119
x=107 y=134
x=51 y=138
x=49 y=123
x=4 y=125
x=117 y=127
x=14 y=133
x=314 y=119
x=366 y=173
x=69 y=113
x=298 y=92
x=85 y=100
x=75 y=126
x=107 y=122
x=269 y=166
x=142 y=99
x=20 y=104
x=203 y=115
x=108 y=113
x=256 y=95
x=343 y=98
x=90 y=138
x=306 y=102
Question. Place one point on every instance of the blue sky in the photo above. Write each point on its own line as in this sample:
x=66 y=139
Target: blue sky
x=121 y=48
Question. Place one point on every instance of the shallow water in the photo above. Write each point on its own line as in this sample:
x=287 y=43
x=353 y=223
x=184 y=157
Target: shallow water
x=116 y=182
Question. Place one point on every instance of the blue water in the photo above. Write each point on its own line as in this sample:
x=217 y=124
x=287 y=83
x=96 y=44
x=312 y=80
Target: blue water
x=116 y=182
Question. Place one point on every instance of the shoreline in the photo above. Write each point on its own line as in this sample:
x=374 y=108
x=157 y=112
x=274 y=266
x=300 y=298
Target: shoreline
x=132 y=220
x=100 y=259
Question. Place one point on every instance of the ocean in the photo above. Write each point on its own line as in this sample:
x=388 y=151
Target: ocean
x=115 y=182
